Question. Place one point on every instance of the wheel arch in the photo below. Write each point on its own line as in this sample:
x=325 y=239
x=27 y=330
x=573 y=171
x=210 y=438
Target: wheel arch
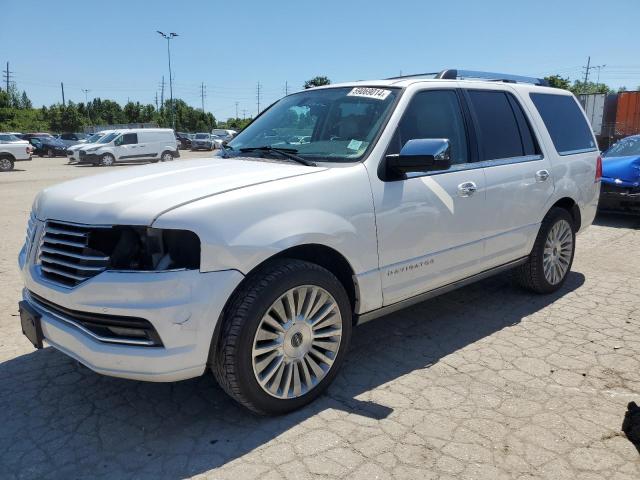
x=319 y=254
x=8 y=155
x=571 y=206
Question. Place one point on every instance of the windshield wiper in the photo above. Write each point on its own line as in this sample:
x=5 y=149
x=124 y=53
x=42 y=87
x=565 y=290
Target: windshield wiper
x=290 y=153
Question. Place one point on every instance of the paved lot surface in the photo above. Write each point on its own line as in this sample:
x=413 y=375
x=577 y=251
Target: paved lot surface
x=487 y=382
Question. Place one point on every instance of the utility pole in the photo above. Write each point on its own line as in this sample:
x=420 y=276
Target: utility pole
x=244 y=114
x=203 y=89
x=237 y=110
x=7 y=77
x=62 y=88
x=169 y=37
x=598 y=67
x=86 y=101
x=259 y=86
x=286 y=88
x=586 y=71
x=162 y=94
x=156 y=100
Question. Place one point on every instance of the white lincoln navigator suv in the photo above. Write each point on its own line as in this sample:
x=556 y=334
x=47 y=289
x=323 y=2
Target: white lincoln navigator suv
x=257 y=263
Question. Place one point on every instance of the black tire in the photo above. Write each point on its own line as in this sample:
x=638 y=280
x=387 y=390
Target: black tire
x=6 y=163
x=231 y=360
x=531 y=274
x=166 y=156
x=50 y=153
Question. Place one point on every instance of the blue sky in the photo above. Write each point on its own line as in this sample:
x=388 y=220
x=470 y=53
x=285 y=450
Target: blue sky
x=112 y=47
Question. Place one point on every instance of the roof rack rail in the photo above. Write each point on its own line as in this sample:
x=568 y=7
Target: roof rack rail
x=455 y=74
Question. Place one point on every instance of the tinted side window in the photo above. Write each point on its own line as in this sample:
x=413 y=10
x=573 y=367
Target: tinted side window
x=129 y=138
x=498 y=128
x=565 y=122
x=434 y=114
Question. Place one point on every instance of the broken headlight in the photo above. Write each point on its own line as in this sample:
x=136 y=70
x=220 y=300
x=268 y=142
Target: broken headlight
x=146 y=249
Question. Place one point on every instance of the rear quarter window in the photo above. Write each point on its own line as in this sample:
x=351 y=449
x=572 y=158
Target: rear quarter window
x=567 y=126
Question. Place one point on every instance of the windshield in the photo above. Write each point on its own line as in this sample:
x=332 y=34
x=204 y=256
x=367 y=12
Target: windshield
x=201 y=136
x=107 y=138
x=624 y=148
x=94 y=138
x=9 y=138
x=333 y=124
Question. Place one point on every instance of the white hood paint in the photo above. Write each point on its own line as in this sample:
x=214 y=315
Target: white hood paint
x=138 y=195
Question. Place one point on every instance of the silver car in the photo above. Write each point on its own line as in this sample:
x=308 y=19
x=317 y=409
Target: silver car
x=202 y=141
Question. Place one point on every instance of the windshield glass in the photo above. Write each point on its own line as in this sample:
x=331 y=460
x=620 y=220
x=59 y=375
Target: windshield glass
x=9 y=138
x=107 y=138
x=334 y=124
x=201 y=136
x=624 y=148
x=94 y=138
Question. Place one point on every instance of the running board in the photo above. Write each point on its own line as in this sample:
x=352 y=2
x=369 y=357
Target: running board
x=394 y=307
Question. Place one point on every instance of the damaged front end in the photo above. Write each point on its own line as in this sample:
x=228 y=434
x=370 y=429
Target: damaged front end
x=70 y=254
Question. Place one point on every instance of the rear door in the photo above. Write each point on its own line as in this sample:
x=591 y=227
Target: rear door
x=518 y=176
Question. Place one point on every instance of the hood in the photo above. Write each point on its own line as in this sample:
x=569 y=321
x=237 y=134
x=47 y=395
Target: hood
x=622 y=168
x=138 y=195
x=79 y=146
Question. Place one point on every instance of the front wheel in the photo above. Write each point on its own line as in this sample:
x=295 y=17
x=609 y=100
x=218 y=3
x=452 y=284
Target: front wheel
x=107 y=160
x=550 y=261
x=284 y=337
x=6 y=164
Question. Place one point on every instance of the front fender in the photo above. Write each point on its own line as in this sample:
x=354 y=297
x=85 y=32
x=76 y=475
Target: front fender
x=240 y=229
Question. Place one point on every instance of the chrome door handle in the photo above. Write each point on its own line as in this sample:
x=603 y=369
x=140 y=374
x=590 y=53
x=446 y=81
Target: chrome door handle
x=542 y=175
x=467 y=189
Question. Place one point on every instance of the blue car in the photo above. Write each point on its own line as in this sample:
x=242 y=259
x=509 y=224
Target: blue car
x=620 y=189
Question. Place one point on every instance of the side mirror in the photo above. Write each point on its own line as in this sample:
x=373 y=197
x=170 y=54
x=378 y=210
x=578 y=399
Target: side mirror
x=421 y=155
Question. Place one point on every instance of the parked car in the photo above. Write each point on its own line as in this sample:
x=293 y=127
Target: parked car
x=74 y=150
x=28 y=136
x=184 y=141
x=70 y=139
x=224 y=134
x=202 y=141
x=259 y=263
x=11 y=152
x=11 y=138
x=48 y=147
x=621 y=176
x=134 y=144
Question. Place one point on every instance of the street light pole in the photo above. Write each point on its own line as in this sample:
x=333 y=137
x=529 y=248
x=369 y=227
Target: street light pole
x=169 y=37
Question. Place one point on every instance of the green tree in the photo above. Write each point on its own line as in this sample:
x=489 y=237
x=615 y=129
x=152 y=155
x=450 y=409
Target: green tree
x=317 y=82
x=557 y=81
x=25 y=103
x=580 y=87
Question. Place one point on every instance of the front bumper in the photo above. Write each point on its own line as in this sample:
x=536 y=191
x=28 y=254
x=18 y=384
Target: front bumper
x=201 y=146
x=183 y=307
x=623 y=197
x=88 y=158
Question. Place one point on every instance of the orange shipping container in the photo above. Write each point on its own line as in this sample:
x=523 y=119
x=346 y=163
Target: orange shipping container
x=628 y=114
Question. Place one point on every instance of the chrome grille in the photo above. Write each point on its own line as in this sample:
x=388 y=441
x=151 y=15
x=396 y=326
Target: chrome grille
x=31 y=227
x=65 y=256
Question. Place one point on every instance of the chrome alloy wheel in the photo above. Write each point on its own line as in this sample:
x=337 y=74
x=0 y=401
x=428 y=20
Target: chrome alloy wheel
x=297 y=342
x=558 y=249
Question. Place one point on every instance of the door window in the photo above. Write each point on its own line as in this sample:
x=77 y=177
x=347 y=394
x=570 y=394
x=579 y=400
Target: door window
x=433 y=114
x=502 y=126
x=127 y=139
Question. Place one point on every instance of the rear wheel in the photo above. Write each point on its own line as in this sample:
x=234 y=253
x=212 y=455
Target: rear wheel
x=107 y=160
x=284 y=337
x=166 y=157
x=6 y=164
x=552 y=256
x=50 y=153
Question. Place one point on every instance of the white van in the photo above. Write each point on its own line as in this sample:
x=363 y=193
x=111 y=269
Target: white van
x=133 y=144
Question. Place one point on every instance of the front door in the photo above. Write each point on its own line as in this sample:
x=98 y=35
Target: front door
x=127 y=147
x=430 y=225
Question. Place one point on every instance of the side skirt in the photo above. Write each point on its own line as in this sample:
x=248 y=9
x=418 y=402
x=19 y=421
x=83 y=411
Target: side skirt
x=386 y=310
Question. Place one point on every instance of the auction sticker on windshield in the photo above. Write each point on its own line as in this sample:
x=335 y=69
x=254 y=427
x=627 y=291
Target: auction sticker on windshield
x=368 y=92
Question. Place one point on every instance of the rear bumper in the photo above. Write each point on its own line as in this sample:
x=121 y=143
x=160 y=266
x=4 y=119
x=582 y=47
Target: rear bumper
x=23 y=159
